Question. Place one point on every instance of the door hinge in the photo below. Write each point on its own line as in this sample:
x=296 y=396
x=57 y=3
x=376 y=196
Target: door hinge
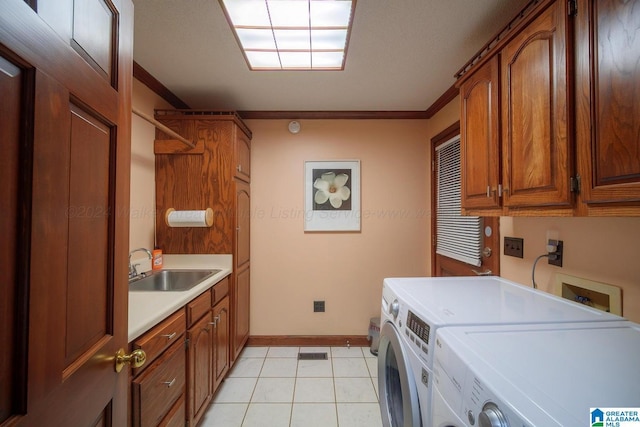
x=576 y=184
x=186 y=343
x=573 y=8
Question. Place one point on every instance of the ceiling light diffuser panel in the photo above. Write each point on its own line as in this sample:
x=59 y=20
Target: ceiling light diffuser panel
x=291 y=34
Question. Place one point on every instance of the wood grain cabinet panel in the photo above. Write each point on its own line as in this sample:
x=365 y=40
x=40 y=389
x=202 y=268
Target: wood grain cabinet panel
x=208 y=351
x=480 y=138
x=242 y=153
x=218 y=178
x=569 y=112
x=160 y=337
x=160 y=386
x=608 y=105
x=517 y=151
x=201 y=341
x=221 y=347
x=537 y=157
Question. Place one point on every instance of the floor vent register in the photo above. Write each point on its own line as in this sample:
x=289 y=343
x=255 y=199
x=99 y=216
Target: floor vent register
x=312 y=356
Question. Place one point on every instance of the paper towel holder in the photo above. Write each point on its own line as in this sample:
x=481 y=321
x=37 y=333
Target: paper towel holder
x=189 y=218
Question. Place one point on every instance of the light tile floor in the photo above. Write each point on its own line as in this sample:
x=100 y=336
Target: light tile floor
x=270 y=387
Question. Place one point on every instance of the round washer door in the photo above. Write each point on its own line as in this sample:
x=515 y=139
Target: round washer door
x=398 y=393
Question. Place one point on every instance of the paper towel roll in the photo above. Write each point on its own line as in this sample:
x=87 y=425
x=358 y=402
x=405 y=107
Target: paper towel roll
x=176 y=218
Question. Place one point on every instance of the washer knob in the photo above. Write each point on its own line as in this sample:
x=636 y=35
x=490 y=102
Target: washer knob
x=394 y=308
x=492 y=416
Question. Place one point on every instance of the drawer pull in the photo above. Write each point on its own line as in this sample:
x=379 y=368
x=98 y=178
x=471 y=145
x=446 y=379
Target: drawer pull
x=169 y=336
x=169 y=383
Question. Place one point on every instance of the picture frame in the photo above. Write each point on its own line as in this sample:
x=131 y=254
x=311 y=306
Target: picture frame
x=332 y=195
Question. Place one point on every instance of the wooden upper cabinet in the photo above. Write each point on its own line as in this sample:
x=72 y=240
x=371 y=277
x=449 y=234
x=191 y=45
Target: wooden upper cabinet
x=537 y=157
x=608 y=105
x=516 y=146
x=480 y=138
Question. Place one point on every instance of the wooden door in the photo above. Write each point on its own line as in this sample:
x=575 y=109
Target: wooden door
x=480 y=139
x=537 y=156
x=445 y=266
x=68 y=275
x=608 y=103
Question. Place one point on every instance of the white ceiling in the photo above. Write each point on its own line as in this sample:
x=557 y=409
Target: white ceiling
x=402 y=56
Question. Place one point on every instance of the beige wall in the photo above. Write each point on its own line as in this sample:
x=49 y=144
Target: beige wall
x=143 y=202
x=290 y=268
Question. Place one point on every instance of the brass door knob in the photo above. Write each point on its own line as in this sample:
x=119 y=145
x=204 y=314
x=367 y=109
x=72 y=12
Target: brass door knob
x=135 y=359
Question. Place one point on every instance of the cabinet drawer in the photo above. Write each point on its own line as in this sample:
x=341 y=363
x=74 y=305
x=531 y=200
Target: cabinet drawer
x=220 y=290
x=159 y=387
x=159 y=338
x=198 y=308
x=176 y=416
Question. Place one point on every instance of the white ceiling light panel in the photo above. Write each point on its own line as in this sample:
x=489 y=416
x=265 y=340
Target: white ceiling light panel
x=291 y=34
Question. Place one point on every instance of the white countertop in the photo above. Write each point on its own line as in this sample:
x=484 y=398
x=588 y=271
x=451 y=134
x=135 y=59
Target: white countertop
x=147 y=309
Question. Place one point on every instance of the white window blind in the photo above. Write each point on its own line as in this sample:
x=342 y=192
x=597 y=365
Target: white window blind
x=458 y=237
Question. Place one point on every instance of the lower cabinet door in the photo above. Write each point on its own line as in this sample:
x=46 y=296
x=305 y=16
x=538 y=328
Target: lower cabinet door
x=201 y=338
x=221 y=342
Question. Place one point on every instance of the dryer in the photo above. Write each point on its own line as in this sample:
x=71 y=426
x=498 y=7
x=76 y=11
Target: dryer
x=413 y=309
x=570 y=374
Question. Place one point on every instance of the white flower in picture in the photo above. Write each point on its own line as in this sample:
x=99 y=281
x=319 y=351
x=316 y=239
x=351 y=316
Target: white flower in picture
x=333 y=188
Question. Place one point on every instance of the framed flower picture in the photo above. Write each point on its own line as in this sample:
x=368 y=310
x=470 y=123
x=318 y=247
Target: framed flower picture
x=332 y=195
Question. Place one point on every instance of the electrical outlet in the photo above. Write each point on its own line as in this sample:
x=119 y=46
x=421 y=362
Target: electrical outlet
x=318 y=306
x=514 y=246
x=557 y=259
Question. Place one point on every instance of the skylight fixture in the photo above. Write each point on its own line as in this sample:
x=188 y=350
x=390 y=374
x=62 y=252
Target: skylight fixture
x=292 y=34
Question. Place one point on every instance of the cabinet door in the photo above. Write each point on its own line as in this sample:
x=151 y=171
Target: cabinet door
x=242 y=222
x=221 y=342
x=241 y=311
x=480 y=138
x=200 y=367
x=608 y=101
x=242 y=153
x=536 y=150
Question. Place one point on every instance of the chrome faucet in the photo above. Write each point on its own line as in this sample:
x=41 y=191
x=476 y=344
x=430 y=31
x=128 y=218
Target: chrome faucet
x=133 y=272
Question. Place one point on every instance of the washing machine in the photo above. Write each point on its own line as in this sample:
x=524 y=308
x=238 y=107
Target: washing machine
x=569 y=374
x=413 y=309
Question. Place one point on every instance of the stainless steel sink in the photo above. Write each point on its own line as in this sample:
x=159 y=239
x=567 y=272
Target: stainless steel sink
x=171 y=280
